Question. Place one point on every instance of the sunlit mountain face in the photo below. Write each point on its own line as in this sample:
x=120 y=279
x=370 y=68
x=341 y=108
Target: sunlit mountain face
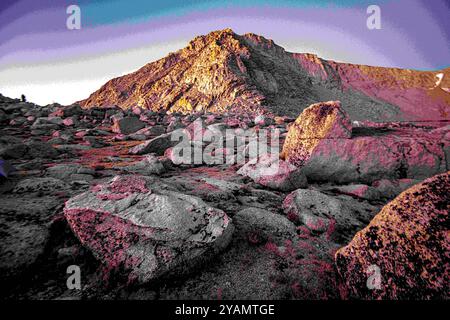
x=39 y=54
x=197 y=150
x=224 y=71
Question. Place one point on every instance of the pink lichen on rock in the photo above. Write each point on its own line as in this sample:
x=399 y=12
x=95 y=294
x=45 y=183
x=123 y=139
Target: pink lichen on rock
x=408 y=241
x=108 y=236
x=370 y=158
x=120 y=187
x=131 y=184
x=146 y=234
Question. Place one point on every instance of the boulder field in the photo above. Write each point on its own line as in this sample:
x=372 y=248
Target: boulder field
x=104 y=189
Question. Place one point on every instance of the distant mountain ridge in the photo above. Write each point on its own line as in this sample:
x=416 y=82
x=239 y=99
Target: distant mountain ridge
x=223 y=71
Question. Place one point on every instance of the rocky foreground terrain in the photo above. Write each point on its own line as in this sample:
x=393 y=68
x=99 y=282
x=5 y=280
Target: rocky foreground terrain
x=349 y=196
x=98 y=188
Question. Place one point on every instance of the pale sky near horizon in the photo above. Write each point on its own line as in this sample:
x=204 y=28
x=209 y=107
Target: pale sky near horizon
x=74 y=81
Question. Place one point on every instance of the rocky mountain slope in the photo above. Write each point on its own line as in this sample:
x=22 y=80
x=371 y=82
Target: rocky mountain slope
x=224 y=71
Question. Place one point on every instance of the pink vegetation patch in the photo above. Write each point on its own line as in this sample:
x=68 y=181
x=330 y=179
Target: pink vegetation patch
x=107 y=236
x=133 y=184
x=121 y=188
x=99 y=156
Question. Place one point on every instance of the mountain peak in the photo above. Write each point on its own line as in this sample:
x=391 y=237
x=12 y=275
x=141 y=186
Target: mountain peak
x=226 y=38
x=223 y=71
x=216 y=35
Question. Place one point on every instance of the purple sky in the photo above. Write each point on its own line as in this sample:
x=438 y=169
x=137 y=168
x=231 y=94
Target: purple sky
x=40 y=57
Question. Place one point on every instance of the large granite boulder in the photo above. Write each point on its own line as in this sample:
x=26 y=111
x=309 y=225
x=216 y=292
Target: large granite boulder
x=143 y=227
x=322 y=142
x=370 y=158
x=324 y=120
x=404 y=252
